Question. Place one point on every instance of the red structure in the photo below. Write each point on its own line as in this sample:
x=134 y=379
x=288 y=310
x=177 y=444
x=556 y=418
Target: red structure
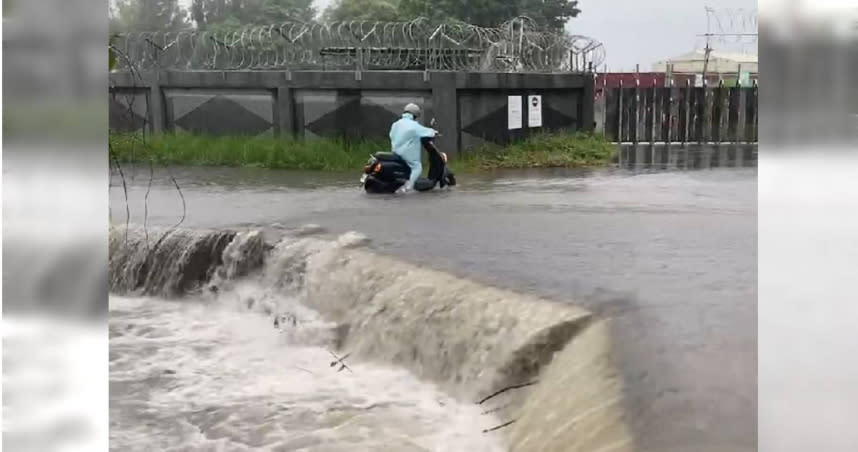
x=648 y=79
x=613 y=79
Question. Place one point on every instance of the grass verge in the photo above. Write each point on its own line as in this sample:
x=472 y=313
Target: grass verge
x=546 y=150
x=550 y=150
x=264 y=152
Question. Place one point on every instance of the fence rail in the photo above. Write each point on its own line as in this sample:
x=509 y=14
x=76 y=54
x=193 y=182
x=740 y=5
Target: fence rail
x=680 y=115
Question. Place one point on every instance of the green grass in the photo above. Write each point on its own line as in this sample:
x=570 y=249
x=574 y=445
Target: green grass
x=238 y=151
x=547 y=150
x=558 y=150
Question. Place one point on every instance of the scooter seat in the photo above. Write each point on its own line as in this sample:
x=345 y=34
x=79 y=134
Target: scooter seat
x=388 y=157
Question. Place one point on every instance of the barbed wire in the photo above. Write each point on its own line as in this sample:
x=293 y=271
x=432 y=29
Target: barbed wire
x=516 y=46
x=731 y=30
x=732 y=20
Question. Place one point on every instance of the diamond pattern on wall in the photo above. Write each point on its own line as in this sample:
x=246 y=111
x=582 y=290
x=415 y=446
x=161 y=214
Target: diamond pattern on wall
x=553 y=119
x=128 y=110
x=354 y=119
x=395 y=101
x=311 y=105
x=222 y=116
x=122 y=118
x=493 y=126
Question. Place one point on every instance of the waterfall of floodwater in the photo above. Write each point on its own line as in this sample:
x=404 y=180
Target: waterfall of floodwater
x=224 y=341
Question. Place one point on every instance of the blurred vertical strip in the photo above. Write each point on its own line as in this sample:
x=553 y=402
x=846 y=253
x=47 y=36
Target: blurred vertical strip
x=808 y=226
x=55 y=180
x=809 y=54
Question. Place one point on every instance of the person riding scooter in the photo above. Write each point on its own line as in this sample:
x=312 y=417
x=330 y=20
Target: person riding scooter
x=406 y=137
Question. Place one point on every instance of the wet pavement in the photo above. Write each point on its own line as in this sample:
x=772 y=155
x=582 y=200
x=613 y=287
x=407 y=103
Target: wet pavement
x=669 y=256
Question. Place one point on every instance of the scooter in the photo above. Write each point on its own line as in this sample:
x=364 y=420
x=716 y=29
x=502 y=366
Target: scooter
x=386 y=172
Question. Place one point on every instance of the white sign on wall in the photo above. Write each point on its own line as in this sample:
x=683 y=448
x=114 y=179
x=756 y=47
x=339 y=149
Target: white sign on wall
x=534 y=112
x=513 y=110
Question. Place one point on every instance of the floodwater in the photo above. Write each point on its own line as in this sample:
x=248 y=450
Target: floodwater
x=207 y=375
x=670 y=257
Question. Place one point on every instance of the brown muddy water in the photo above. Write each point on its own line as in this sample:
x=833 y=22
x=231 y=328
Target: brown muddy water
x=668 y=257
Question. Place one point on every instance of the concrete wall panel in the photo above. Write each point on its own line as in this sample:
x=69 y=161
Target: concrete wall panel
x=129 y=110
x=354 y=113
x=470 y=108
x=220 y=112
x=484 y=118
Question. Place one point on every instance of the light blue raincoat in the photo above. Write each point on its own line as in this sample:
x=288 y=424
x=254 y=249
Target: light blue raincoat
x=405 y=135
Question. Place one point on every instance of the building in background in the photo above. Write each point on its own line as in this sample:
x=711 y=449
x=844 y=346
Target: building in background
x=689 y=67
x=721 y=66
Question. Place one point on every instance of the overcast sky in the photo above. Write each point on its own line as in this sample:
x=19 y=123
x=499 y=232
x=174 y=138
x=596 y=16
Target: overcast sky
x=641 y=31
x=645 y=31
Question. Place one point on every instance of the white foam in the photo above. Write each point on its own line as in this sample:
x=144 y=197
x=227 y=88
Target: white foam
x=208 y=375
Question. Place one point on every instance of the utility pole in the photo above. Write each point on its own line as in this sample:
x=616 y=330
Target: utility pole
x=720 y=35
x=708 y=49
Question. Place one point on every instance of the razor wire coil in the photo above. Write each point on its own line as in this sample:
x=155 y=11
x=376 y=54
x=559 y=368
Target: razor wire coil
x=516 y=46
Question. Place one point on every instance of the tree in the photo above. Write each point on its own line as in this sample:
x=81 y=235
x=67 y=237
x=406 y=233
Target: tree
x=549 y=14
x=148 y=15
x=277 y=11
x=484 y=13
x=237 y=13
x=375 y=10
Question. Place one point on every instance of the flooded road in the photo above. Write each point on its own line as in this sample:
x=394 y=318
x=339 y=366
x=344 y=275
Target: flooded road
x=670 y=257
x=210 y=376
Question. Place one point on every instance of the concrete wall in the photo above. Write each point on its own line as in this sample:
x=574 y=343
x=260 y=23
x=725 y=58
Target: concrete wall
x=469 y=108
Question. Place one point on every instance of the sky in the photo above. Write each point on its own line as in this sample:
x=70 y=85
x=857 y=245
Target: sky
x=642 y=32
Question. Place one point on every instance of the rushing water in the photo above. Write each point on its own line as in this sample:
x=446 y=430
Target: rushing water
x=226 y=288
x=669 y=257
x=210 y=375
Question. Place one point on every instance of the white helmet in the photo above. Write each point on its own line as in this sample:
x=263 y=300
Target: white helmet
x=413 y=109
